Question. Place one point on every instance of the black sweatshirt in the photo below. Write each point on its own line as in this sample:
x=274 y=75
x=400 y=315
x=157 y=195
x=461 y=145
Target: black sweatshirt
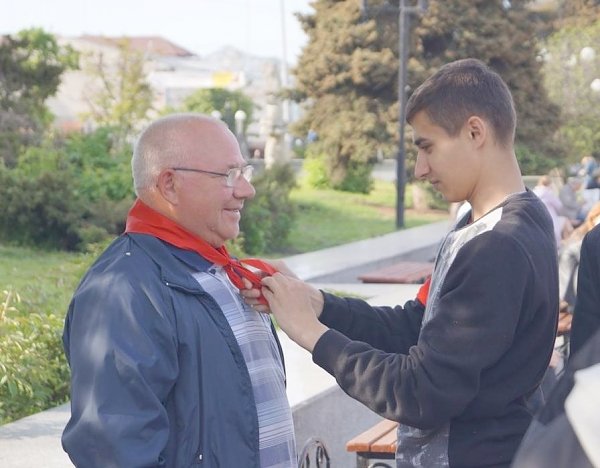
x=586 y=317
x=461 y=374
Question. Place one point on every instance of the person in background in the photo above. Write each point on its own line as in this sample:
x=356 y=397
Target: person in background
x=562 y=225
x=572 y=201
x=459 y=367
x=169 y=366
x=565 y=433
x=568 y=264
x=569 y=258
x=589 y=166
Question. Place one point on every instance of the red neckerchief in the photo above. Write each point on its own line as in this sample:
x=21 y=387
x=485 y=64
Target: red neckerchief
x=424 y=292
x=144 y=220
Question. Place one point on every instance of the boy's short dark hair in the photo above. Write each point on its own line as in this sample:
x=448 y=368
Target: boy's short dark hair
x=461 y=89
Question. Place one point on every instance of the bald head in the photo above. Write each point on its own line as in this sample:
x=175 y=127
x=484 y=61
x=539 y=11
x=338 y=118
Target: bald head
x=169 y=142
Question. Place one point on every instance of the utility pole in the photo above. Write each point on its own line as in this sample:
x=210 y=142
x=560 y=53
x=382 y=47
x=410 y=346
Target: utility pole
x=404 y=13
x=285 y=104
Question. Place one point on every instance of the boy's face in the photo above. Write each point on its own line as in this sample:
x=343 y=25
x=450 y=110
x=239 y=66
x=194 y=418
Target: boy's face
x=447 y=162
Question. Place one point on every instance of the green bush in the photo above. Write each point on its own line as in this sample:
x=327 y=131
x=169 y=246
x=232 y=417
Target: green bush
x=33 y=370
x=268 y=217
x=41 y=210
x=47 y=212
x=103 y=171
x=421 y=196
x=358 y=178
x=354 y=176
x=532 y=162
x=66 y=194
x=316 y=171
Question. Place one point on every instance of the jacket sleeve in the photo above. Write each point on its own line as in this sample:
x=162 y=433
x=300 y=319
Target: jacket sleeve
x=586 y=316
x=392 y=329
x=122 y=353
x=471 y=328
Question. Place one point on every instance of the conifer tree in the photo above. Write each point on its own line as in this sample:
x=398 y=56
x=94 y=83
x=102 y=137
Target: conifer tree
x=503 y=35
x=348 y=74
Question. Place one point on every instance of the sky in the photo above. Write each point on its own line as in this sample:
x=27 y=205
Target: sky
x=201 y=26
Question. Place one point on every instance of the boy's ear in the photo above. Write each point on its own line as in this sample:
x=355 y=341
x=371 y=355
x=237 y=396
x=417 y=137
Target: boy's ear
x=477 y=129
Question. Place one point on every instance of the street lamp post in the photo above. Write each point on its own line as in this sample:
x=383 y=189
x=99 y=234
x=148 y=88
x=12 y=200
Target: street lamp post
x=240 y=118
x=588 y=55
x=404 y=13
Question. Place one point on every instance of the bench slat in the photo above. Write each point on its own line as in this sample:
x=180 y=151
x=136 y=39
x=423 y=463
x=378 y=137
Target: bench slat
x=386 y=444
x=364 y=441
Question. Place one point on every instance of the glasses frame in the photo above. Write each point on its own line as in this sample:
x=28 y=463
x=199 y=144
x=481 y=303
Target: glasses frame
x=231 y=176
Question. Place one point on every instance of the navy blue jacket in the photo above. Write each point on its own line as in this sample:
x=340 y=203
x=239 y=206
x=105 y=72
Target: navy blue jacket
x=158 y=378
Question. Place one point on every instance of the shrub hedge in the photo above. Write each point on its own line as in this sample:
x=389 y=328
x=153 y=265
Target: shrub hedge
x=33 y=370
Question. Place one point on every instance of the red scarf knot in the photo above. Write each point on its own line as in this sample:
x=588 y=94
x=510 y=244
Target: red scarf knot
x=144 y=220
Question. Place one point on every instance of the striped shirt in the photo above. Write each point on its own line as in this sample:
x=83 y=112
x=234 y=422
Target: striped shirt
x=252 y=331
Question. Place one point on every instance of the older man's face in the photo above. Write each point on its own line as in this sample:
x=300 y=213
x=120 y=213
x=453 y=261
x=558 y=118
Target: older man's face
x=207 y=206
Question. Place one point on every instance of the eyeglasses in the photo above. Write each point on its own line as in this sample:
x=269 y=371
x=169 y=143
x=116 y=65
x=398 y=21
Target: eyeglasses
x=231 y=176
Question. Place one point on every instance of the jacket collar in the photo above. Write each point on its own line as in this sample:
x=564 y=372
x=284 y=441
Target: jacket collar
x=175 y=264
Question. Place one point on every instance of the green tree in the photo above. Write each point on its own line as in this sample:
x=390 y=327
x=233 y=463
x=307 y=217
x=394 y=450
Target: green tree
x=31 y=65
x=122 y=98
x=222 y=100
x=571 y=67
x=269 y=216
x=578 y=13
x=505 y=38
x=78 y=191
x=346 y=76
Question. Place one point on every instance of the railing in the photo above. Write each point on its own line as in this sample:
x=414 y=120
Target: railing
x=320 y=456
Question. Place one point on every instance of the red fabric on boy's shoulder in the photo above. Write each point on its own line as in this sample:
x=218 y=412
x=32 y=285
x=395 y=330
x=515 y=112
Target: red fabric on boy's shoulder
x=424 y=292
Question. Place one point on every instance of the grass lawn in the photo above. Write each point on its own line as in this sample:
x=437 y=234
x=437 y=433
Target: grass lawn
x=44 y=280
x=326 y=218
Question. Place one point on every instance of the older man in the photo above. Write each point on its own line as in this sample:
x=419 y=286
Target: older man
x=169 y=366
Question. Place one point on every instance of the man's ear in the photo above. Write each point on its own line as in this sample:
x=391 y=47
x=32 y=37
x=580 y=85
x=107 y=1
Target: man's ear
x=167 y=186
x=477 y=129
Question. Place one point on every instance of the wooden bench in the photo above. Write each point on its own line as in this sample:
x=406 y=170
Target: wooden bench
x=401 y=272
x=378 y=442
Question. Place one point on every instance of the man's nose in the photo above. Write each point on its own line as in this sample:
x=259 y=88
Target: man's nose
x=243 y=188
x=421 y=167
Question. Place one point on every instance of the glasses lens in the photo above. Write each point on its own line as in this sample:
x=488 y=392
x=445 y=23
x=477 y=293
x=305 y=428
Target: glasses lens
x=233 y=175
x=247 y=172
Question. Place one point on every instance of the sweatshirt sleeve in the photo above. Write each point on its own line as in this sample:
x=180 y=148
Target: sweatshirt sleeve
x=392 y=329
x=472 y=326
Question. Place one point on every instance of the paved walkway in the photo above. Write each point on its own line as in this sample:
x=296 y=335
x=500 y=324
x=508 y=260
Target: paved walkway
x=34 y=441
